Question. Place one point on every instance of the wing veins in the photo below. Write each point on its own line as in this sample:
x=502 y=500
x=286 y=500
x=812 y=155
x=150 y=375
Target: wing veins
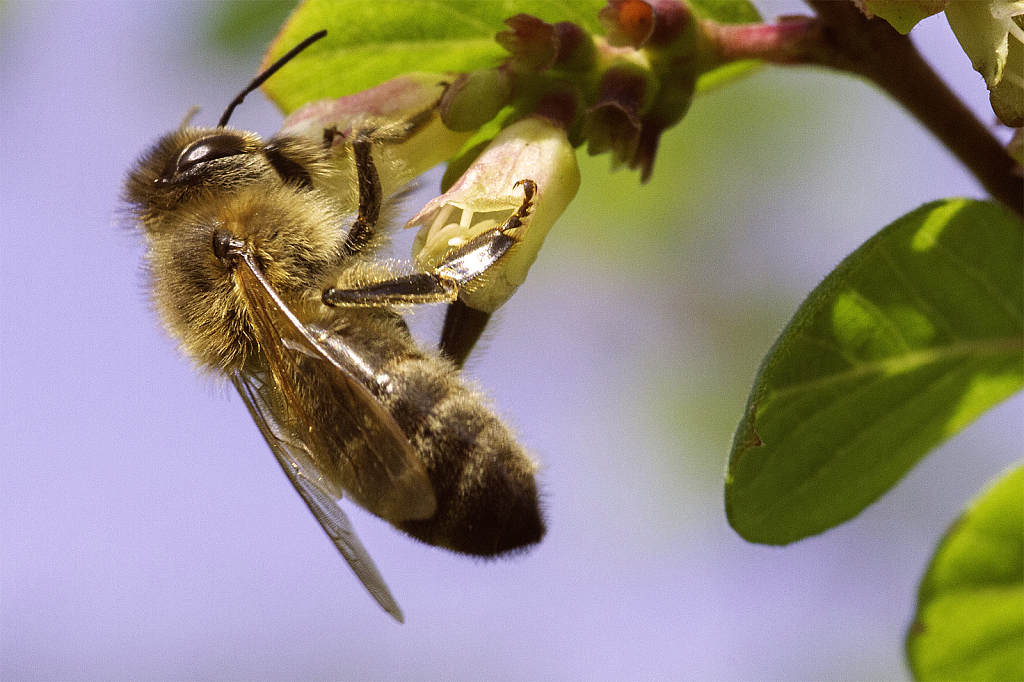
x=404 y=467
x=331 y=517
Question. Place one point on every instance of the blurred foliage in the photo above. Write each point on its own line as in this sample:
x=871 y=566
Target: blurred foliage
x=242 y=29
x=970 y=609
x=721 y=142
x=669 y=243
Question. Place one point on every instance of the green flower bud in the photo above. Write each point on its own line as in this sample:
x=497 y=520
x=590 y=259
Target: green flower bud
x=474 y=99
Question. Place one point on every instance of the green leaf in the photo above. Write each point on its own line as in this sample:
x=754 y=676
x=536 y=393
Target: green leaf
x=970 y=607
x=913 y=336
x=371 y=41
x=726 y=74
x=726 y=11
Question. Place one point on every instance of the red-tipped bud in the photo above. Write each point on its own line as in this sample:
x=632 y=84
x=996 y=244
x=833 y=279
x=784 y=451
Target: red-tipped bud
x=671 y=19
x=627 y=22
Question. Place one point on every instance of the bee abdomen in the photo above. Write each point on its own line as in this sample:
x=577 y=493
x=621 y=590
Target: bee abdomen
x=487 y=501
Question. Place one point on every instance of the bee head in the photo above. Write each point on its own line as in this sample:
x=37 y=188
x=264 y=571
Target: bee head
x=201 y=162
x=192 y=164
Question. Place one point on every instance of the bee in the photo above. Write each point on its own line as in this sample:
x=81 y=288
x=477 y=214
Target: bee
x=258 y=269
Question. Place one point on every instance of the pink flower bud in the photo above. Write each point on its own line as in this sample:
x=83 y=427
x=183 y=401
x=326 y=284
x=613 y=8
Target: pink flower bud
x=388 y=105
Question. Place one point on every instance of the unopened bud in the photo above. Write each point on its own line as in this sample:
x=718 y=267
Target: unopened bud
x=576 y=51
x=474 y=99
x=627 y=22
x=613 y=123
x=532 y=42
x=669 y=106
x=672 y=19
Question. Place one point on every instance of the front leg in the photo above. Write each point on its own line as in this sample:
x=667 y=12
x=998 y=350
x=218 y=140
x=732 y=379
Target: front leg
x=371 y=194
x=457 y=269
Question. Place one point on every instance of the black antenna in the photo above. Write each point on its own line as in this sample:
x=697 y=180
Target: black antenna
x=267 y=73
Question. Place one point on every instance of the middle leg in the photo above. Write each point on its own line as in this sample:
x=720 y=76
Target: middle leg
x=443 y=283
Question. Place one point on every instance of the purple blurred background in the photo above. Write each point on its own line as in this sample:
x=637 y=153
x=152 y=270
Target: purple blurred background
x=148 y=534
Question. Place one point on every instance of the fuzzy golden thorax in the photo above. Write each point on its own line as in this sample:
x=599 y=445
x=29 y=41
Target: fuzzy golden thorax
x=197 y=184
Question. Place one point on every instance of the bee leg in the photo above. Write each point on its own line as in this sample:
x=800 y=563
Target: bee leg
x=442 y=284
x=370 y=197
x=390 y=133
x=438 y=286
x=370 y=192
x=463 y=325
x=462 y=328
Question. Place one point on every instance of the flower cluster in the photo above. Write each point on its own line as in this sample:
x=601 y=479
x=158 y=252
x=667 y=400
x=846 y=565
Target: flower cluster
x=615 y=93
x=560 y=87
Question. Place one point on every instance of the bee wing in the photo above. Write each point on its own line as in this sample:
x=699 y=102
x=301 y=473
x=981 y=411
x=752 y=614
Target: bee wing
x=294 y=460
x=393 y=484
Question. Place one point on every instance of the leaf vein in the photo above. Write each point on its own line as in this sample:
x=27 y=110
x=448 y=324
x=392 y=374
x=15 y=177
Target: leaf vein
x=910 y=360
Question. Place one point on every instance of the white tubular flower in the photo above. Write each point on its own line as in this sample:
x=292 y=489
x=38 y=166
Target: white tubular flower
x=990 y=35
x=390 y=105
x=486 y=195
x=902 y=15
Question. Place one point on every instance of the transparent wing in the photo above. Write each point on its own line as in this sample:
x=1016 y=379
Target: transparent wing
x=293 y=458
x=317 y=370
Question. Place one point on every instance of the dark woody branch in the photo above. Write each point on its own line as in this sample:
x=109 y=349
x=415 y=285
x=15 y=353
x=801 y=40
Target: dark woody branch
x=840 y=37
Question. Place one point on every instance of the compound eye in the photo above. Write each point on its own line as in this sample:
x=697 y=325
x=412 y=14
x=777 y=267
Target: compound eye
x=208 y=149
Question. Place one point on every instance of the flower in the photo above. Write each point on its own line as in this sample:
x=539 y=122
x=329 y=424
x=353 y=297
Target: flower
x=390 y=105
x=902 y=15
x=990 y=34
x=488 y=193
